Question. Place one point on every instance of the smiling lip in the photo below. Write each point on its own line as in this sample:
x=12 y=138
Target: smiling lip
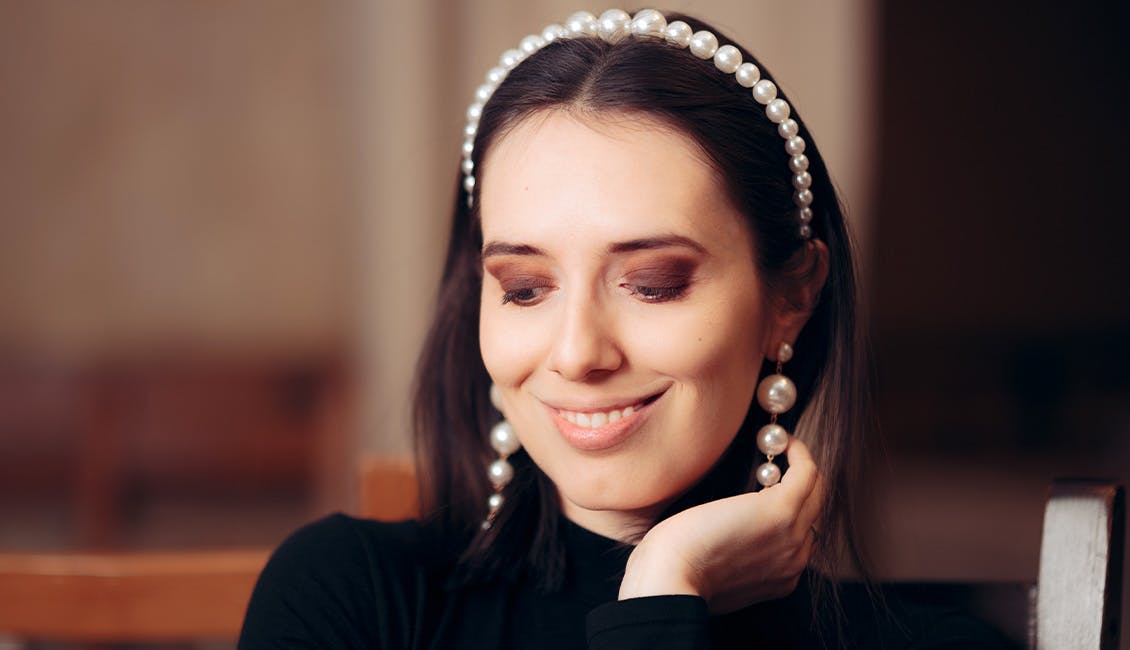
x=575 y=426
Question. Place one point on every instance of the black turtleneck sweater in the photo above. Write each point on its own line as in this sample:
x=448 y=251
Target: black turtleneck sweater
x=351 y=583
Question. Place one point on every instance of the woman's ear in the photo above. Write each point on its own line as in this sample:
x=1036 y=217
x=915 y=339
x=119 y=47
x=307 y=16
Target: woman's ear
x=796 y=294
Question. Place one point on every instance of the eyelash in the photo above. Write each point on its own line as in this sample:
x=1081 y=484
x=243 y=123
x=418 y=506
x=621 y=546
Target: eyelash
x=656 y=294
x=522 y=296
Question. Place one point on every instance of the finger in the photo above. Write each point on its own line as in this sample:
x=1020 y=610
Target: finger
x=813 y=506
x=800 y=479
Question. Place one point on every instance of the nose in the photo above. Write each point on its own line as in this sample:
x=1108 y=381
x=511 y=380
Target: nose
x=586 y=344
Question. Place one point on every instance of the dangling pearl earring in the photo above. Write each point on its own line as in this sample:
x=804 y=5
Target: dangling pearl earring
x=502 y=440
x=776 y=394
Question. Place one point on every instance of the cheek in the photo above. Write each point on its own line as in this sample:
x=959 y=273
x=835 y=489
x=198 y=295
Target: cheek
x=507 y=346
x=715 y=349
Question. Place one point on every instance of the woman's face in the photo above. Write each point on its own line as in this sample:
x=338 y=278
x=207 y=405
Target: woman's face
x=622 y=315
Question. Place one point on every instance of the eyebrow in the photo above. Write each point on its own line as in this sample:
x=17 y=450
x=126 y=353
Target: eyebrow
x=646 y=243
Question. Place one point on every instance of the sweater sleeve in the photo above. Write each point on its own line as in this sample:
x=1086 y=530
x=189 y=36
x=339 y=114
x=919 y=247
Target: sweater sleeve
x=651 y=623
x=334 y=584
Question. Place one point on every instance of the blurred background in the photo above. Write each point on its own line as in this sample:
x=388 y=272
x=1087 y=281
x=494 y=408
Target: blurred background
x=222 y=226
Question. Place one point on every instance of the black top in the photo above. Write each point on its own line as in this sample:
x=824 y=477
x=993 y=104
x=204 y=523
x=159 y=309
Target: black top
x=352 y=583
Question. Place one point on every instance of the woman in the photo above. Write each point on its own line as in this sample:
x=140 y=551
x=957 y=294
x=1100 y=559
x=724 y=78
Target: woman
x=644 y=233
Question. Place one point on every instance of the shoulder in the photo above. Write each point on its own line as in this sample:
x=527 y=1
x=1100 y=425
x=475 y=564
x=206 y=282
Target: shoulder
x=338 y=582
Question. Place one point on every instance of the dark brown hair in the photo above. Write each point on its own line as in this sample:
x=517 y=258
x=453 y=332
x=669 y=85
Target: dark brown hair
x=640 y=76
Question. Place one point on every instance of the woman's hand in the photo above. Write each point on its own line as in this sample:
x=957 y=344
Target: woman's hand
x=737 y=551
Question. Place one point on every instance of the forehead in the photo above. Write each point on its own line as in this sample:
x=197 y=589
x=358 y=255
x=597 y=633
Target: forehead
x=559 y=173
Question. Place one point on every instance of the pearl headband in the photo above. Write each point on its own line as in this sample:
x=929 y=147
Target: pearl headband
x=613 y=26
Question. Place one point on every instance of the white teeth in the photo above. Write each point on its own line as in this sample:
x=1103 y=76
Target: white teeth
x=598 y=419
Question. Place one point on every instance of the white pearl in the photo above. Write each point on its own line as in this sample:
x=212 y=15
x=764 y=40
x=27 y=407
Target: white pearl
x=470 y=130
x=777 y=111
x=798 y=163
x=747 y=74
x=553 y=32
x=467 y=166
x=581 y=23
x=772 y=439
x=614 y=25
x=768 y=474
x=468 y=147
x=495 y=501
x=704 y=44
x=805 y=214
x=764 y=91
x=496 y=74
x=469 y=184
x=496 y=398
x=802 y=181
x=784 y=352
x=678 y=33
x=788 y=129
x=803 y=198
x=805 y=231
x=511 y=58
x=483 y=93
x=503 y=440
x=727 y=59
x=795 y=145
x=649 y=22
x=474 y=112
x=776 y=394
x=531 y=44
x=500 y=473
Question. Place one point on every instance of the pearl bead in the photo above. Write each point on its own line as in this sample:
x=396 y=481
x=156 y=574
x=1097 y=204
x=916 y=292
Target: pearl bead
x=503 y=440
x=772 y=439
x=474 y=112
x=805 y=214
x=496 y=74
x=495 y=501
x=470 y=130
x=614 y=25
x=788 y=129
x=704 y=44
x=768 y=474
x=776 y=394
x=798 y=163
x=467 y=166
x=747 y=74
x=469 y=184
x=483 y=93
x=805 y=231
x=510 y=59
x=777 y=111
x=553 y=32
x=468 y=147
x=678 y=33
x=802 y=181
x=649 y=22
x=727 y=59
x=803 y=198
x=784 y=352
x=500 y=473
x=764 y=91
x=531 y=44
x=496 y=398
x=581 y=23
x=795 y=145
